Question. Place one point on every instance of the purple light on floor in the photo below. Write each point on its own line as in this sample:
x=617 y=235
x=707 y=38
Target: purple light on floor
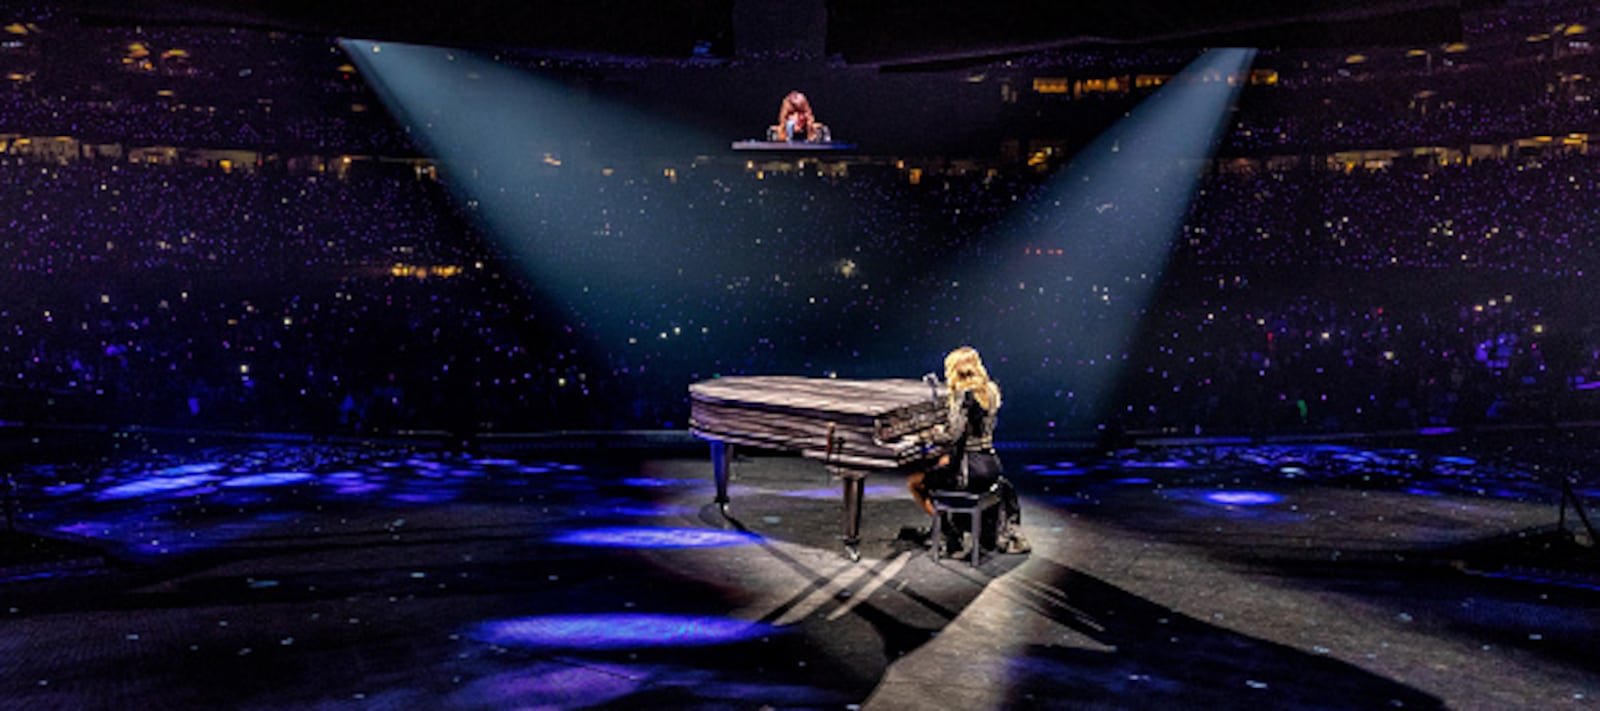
x=186 y=469
x=1243 y=498
x=1356 y=457
x=1435 y=431
x=196 y=491
x=150 y=487
x=1164 y=464
x=87 y=529
x=617 y=631
x=649 y=537
x=495 y=462
x=254 y=481
x=834 y=492
x=1464 y=461
x=1075 y=471
x=48 y=574
x=1419 y=491
x=658 y=482
x=415 y=498
x=547 y=685
x=646 y=511
x=1575 y=583
x=1133 y=480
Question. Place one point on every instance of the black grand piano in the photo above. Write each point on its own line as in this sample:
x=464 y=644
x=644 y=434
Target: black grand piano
x=853 y=427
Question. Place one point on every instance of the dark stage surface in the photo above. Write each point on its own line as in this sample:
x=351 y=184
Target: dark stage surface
x=164 y=573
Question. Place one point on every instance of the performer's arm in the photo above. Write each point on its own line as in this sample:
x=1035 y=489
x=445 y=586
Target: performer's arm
x=955 y=427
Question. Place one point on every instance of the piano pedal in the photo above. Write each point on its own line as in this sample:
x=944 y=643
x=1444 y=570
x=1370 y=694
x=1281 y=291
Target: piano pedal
x=915 y=534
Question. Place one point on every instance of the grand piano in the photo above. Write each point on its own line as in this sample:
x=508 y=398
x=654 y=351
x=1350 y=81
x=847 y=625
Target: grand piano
x=853 y=427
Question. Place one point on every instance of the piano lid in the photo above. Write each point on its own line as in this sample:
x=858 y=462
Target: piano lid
x=868 y=398
x=858 y=422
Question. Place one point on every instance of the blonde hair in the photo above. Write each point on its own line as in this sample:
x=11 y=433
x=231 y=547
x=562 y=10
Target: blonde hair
x=963 y=370
x=796 y=103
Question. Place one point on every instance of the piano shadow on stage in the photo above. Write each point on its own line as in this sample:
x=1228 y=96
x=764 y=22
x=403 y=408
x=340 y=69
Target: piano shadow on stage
x=1079 y=637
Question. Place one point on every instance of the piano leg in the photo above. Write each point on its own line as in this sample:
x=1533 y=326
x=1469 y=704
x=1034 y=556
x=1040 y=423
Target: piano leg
x=854 y=486
x=721 y=456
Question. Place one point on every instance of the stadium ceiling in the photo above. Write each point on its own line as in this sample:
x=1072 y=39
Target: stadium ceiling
x=886 y=33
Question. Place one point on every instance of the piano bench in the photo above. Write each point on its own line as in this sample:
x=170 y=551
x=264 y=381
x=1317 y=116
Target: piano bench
x=961 y=502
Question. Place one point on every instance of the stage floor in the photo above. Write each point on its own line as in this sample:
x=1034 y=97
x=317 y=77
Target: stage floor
x=174 y=574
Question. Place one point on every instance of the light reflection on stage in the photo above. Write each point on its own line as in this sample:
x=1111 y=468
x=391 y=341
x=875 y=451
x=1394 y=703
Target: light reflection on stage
x=171 y=501
x=1243 y=498
x=643 y=537
x=155 y=486
x=575 y=580
x=660 y=482
x=1398 y=469
x=552 y=685
x=617 y=631
x=251 y=481
x=1061 y=472
x=831 y=493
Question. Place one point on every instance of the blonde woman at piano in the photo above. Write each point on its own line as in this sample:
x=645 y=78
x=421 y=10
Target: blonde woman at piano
x=972 y=464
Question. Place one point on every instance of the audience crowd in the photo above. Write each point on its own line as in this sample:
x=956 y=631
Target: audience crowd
x=1408 y=298
x=1417 y=295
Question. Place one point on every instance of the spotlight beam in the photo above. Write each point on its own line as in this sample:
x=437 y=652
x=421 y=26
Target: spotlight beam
x=523 y=155
x=1062 y=304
